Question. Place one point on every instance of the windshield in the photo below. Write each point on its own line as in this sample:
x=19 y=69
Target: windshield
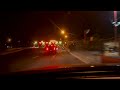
x=38 y=39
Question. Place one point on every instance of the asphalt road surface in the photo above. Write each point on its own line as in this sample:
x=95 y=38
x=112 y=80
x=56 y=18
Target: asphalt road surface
x=32 y=58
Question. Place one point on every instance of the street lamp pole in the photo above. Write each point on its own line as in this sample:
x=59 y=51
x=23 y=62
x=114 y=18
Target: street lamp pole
x=85 y=36
x=115 y=26
x=116 y=23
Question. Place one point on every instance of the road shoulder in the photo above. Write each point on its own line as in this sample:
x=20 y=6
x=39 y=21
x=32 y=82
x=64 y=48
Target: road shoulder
x=87 y=57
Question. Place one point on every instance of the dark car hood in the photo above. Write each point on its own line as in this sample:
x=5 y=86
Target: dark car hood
x=66 y=72
x=71 y=68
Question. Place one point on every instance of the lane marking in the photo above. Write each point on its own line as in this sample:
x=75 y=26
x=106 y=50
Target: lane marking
x=78 y=58
x=35 y=57
x=11 y=52
x=87 y=58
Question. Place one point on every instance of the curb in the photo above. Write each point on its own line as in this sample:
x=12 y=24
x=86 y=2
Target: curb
x=107 y=59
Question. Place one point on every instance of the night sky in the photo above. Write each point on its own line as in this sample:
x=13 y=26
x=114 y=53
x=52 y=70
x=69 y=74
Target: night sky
x=35 y=25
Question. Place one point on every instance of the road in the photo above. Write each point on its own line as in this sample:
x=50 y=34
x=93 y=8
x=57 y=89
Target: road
x=32 y=58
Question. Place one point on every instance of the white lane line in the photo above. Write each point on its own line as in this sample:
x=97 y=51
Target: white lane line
x=10 y=52
x=35 y=57
x=78 y=58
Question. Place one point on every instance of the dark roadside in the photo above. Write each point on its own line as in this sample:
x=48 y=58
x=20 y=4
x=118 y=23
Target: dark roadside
x=104 y=58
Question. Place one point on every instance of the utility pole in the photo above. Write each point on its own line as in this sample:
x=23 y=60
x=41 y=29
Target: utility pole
x=115 y=30
x=115 y=26
x=116 y=23
x=84 y=39
x=85 y=36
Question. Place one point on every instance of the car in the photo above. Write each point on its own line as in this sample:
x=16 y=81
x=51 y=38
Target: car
x=51 y=49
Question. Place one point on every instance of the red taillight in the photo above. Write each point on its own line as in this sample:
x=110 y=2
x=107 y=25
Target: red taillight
x=47 y=49
x=54 y=48
x=40 y=43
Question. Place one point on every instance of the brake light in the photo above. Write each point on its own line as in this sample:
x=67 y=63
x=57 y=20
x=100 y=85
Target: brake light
x=40 y=43
x=47 y=49
x=54 y=48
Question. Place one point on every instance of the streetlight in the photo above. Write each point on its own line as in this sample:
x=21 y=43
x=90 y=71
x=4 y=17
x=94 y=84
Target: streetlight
x=9 y=40
x=62 y=32
x=66 y=36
